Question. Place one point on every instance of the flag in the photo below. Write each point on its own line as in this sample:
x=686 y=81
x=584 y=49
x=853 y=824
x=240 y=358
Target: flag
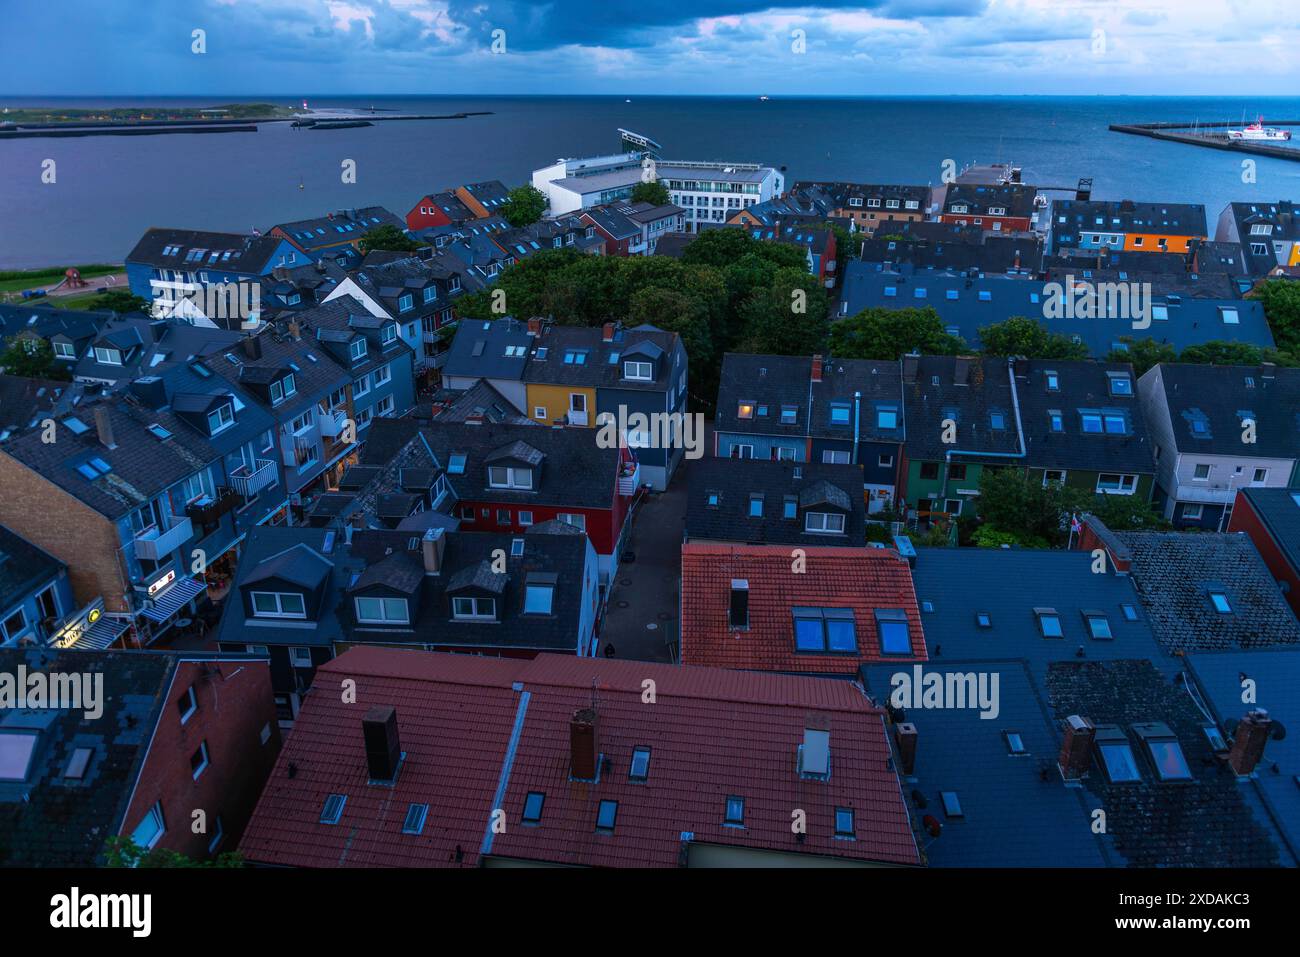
x=1075 y=524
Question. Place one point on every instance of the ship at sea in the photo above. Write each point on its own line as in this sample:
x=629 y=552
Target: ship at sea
x=1258 y=131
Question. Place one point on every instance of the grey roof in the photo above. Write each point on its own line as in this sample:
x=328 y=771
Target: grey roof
x=24 y=567
x=734 y=481
x=936 y=396
x=1220 y=398
x=248 y=254
x=1174 y=573
x=1017 y=199
x=300 y=564
x=597 y=371
x=346 y=225
x=1279 y=510
x=50 y=820
x=479 y=575
x=479 y=349
x=480 y=399
x=1121 y=216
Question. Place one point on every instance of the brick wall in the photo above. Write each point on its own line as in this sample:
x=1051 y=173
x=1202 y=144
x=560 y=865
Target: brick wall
x=235 y=704
x=68 y=529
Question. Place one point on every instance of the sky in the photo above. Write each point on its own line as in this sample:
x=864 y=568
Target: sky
x=719 y=47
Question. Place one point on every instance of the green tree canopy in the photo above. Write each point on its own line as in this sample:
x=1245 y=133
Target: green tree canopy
x=121 y=301
x=1021 y=336
x=524 y=206
x=879 y=333
x=31 y=358
x=655 y=193
x=1281 y=299
x=1144 y=354
x=387 y=238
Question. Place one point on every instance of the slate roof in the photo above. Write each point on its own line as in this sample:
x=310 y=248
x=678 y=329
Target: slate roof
x=346 y=225
x=478 y=349
x=459 y=716
x=862 y=580
x=48 y=819
x=1279 y=511
x=1019 y=253
x=248 y=254
x=386 y=283
x=598 y=371
x=315 y=373
x=840 y=193
x=928 y=404
x=23 y=568
x=1163 y=284
x=1174 y=573
x=1126 y=216
x=1219 y=395
x=1015 y=198
x=734 y=481
x=480 y=399
x=25 y=402
x=1015 y=812
x=1202 y=822
x=1218 y=677
x=50 y=321
x=1083 y=385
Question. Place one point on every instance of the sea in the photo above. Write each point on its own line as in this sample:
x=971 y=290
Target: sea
x=106 y=190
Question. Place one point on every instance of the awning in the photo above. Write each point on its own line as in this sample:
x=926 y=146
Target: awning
x=180 y=594
x=101 y=634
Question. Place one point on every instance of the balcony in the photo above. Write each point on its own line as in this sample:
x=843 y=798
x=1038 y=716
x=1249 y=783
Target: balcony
x=208 y=511
x=332 y=423
x=155 y=545
x=248 y=481
x=629 y=477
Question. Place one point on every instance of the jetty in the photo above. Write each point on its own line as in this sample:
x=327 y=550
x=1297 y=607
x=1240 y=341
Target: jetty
x=1189 y=134
x=311 y=119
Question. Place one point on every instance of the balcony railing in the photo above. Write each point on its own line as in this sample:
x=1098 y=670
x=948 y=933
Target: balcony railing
x=331 y=424
x=248 y=481
x=208 y=511
x=629 y=478
x=155 y=545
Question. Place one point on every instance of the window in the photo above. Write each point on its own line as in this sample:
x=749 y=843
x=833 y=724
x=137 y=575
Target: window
x=997 y=421
x=1015 y=742
x=844 y=826
x=357 y=349
x=1049 y=623
x=300 y=657
x=1193 y=511
x=756 y=506
x=789 y=414
x=1129 y=611
x=1260 y=476
x=537 y=599
x=840 y=413
x=640 y=767
x=1091 y=422
x=533 y=804
x=885 y=461
x=1116 y=755
x=382 y=375
x=108 y=357
x=790 y=507
x=14 y=625
x=405 y=302
x=929 y=470
x=835 y=457
x=607 y=816
x=577 y=521
x=278 y=605
x=221 y=418
x=1098 y=625
x=745 y=410
x=1116 y=484
x=500 y=476
x=1115 y=423
x=983 y=619
x=951 y=805
x=1229 y=315
x=474 y=608
x=1202 y=472
x=199 y=760
x=333 y=809
x=148 y=832
x=456 y=463
x=641 y=371
x=415 y=816
x=735 y=812
x=188 y=704
x=887 y=418
x=1121 y=385
x=15 y=755
x=1053 y=477
x=826 y=523
x=575 y=357
x=381 y=611
x=1219 y=599
x=824 y=630
x=891 y=623
x=281 y=389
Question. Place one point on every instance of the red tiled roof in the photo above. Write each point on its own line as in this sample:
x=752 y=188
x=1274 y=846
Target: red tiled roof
x=863 y=579
x=712 y=734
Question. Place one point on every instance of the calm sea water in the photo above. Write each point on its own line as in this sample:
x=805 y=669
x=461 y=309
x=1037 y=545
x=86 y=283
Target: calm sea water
x=110 y=188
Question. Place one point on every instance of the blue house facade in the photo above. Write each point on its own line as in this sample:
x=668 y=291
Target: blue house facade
x=35 y=592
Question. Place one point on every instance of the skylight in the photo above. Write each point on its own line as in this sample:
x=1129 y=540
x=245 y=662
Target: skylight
x=415 y=815
x=983 y=619
x=15 y=755
x=640 y=767
x=1015 y=742
x=844 y=824
x=735 y=812
x=1098 y=625
x=1116 y=756
x=333 y=809
x=1049 y=623
x=533 y=807
x=894 y=637
x=824 y=630
x=951 y=805
x=1220 y=602
x=607 y=816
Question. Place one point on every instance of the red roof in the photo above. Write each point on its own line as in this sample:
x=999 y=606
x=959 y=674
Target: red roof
x=482 y=733
x=861 y=579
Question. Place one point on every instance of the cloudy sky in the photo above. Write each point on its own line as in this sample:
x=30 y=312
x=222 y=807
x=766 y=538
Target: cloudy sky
x=293 y=47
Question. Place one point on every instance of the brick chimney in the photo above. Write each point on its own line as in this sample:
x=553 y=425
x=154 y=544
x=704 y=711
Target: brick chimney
x=295 y=331
x=1076 y=749
x=432 y=548
x=905 y=736
x=104 y=426
x=252 y=347
x=383 y=749
x=535 y=326
x=817 y=368
x=961 y=370
x=1248 y=741
x=582 y=745
x=911 y=364
x=607 y=332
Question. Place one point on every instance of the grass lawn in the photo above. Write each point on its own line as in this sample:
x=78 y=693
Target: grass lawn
x=45 y=278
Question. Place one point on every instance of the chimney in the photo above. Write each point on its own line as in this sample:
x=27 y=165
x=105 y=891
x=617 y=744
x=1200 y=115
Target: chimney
x=535 y=326
x=383 y=749
x=1076 y=749
x=1248 y=741
x=433 y=546
x=739 y=608
x=905 y=737
x=104 y=425
x=817 y=369
x=582 y=745
x=961 y=370
x=911 y=364
x=295 y=332
x=253 y=347
x=1016 y=264
x=607 y=332
x=1022 y=367
x=1268 y=370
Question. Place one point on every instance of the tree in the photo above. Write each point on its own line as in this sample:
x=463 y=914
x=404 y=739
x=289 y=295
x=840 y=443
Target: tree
x=654 y=193
x=879 y=333
x=387 y=238
x=1020 y=336
x=1223 y=354
x=31 y=359
x=1281 y=299
x=121 y=301
x=124 y=852
x=1144 y=354
x=719 y=247
x=1122 y=513
x=524 y=206
x=1012 y=501
x=788 y=318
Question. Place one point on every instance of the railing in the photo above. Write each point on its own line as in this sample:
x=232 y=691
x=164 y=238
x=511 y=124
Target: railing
x=155 y=545
x=628 y=481
x=208 y=512
x=248 y=481
x=332 y=423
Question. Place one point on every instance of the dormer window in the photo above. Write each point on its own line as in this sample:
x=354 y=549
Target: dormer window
x=405 y=302
x=108 y=357
x=357 y=349
x=382 y=611
x=430 y=293
x=840 y=413
x=1121 y=385
x=474 y=609
x=267 y=604
x=281 y=389
x=388 y=334
x=220 y=418
x=640 y=371
x=504 y=476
